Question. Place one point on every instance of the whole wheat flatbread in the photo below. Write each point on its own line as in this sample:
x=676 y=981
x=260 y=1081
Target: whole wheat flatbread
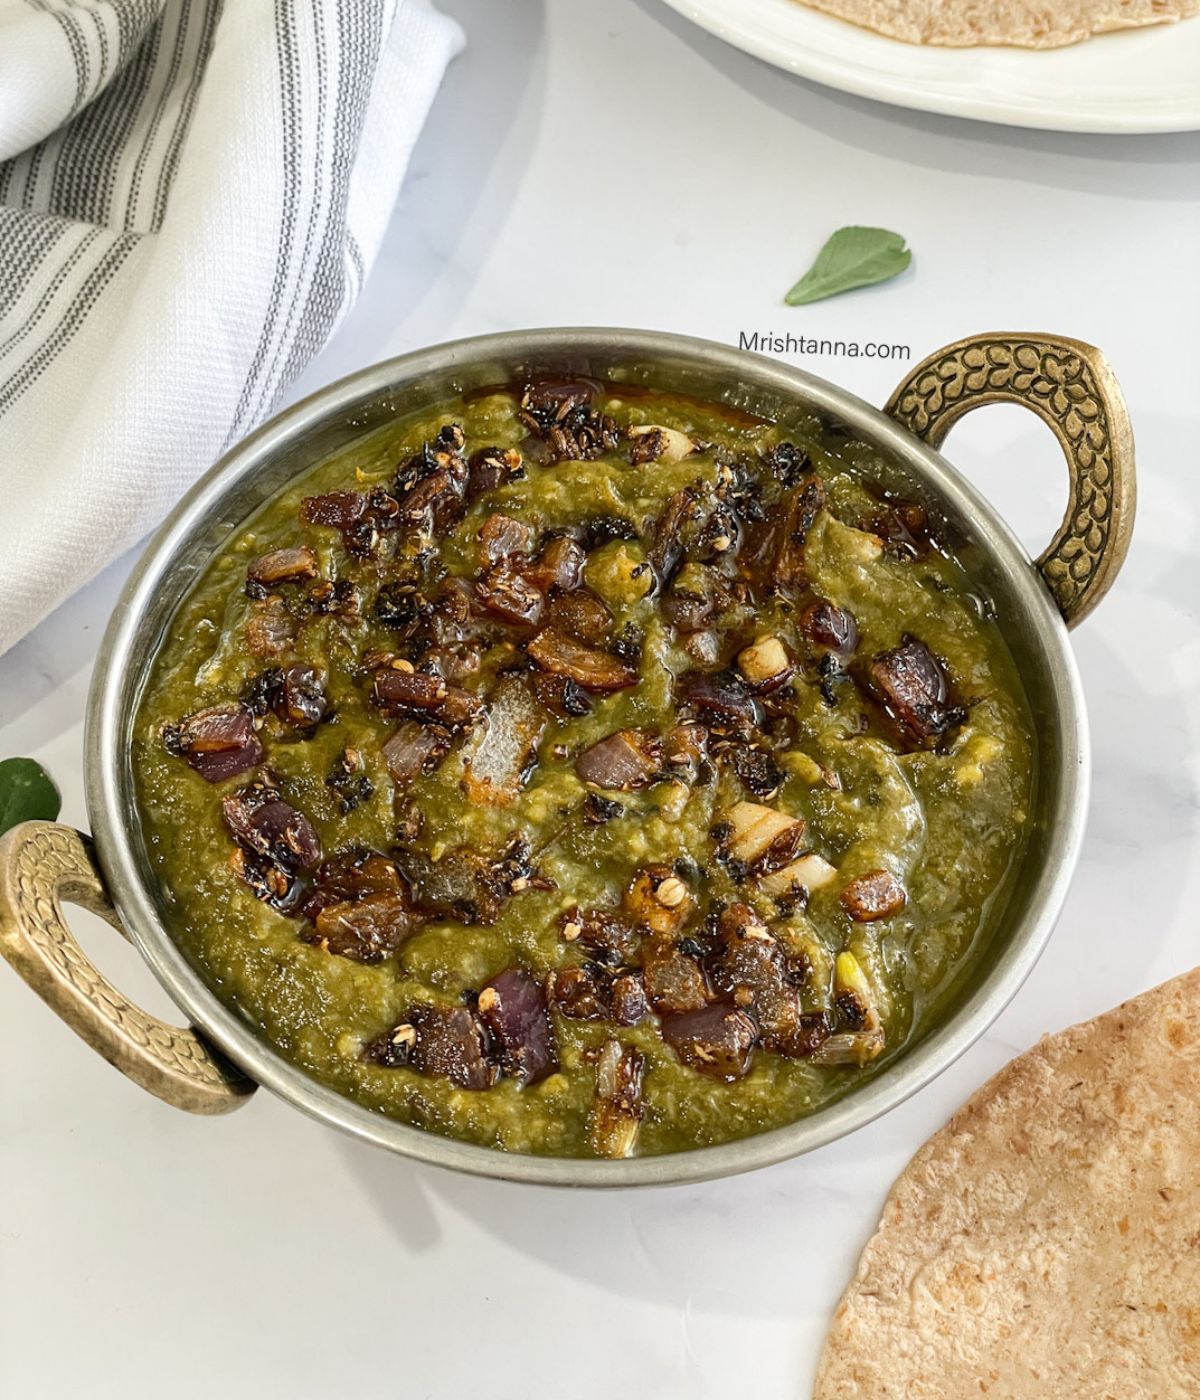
x=1035 y=24
x=1045 y=1244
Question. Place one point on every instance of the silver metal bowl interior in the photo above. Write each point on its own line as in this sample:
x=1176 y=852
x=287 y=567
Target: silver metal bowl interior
x=261 y=465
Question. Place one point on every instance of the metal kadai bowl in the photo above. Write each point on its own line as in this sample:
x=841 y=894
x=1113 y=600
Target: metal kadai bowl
x=215 y=1062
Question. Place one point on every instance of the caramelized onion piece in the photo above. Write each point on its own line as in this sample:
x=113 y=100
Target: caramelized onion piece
x=513 y=1008
x=218 y=743
x=657 y=899
x=417 y=693
x=491 y=467
x=716 y=1040
x=445 y=1041
x=270 y=628
x=395 y=689
x=500 y=537
x=751 y=969
x=617 y=1110
x=261 y=822
x=910 y=686
x=876 y=895
x=674 y=980
x=828 y=626
x=414 y=749
x=723 y=699
x=559 y=653
x=365 y=930
x=584 y=615
x=508 y=595
x=788 y=571
x=624 y=761
x=667 y=549
x=560 y=565
x=282 y=566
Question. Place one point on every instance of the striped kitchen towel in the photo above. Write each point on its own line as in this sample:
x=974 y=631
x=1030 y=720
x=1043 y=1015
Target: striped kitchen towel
x=191 y=193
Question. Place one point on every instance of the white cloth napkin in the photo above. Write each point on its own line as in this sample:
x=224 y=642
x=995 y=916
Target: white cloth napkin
x=210 y=183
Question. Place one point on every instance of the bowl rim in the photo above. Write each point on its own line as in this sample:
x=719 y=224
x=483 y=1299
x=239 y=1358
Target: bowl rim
x=913 y=1068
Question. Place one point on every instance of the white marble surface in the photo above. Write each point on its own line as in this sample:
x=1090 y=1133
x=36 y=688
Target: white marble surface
x=604 y=163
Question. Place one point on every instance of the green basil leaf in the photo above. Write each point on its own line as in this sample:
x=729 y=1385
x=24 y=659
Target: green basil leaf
x=26 y=793
x=853 y=257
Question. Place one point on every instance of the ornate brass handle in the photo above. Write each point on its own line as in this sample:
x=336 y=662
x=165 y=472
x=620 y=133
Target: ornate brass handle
x=44 y=865
x=1070 y=386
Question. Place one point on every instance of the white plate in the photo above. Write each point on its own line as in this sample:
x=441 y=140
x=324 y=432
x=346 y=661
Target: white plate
x=1132 y=81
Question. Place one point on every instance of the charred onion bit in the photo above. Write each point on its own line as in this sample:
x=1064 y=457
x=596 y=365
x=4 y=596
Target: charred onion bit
x=722 y=700
x=399 y=607
x=490 y=468
x=828 y=626
x=624 y=761
x=347 y=779
x=467 y=885
x=415 y=749
x=757 y=770
x=561 y=414
x=597 y=809
x=558 y=566
x=617 y=1110
x=602 y=529
x=339 y=600
x=716 y=1040
x=360 y=517
x=650 y=443
x=682 y=510
x=513 y=1008
x=608 y=936
x=674 y=980
x=658 y=899
x=446 y=1041
x=594 y=993
x=270 y=629
x=910 y=686
x=903 y=526
x=359 y=907
x=788 y=571
x=399 y=691
x=280 y=566
x=508 y=595
x=218 y=743
x=556 y=651
x=862 y=1038
x=431 y=486
x=876 y=895
x=296 y=695
x=755 y=840
x=276 y=843
x=500 y=537
x=751 y=969
x=787 y=463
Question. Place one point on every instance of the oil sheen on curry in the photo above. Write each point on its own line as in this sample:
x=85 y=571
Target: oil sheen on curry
x=584 y=771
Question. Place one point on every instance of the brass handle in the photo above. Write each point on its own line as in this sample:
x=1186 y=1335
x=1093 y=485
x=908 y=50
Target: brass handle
x=1070 y=386
x=44 y=865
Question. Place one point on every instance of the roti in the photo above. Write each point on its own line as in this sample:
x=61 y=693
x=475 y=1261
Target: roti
x=1019 y=23
x=1046 y=1242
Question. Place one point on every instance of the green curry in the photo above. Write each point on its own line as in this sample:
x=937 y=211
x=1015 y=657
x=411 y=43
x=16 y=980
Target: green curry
x=579 y=771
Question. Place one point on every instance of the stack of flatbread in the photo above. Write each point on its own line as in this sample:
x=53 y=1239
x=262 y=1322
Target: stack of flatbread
x=1045 y=1245
x=1035 y=24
